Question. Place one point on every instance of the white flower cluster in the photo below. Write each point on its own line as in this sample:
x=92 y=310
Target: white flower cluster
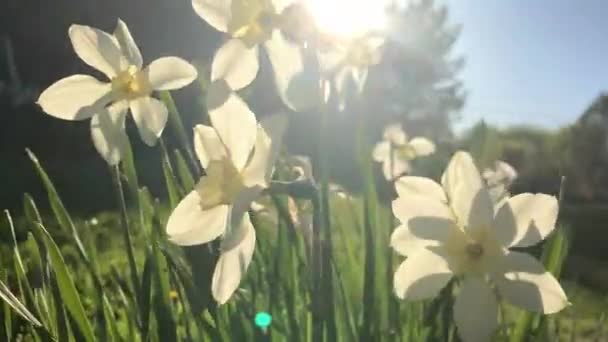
x=455 y=228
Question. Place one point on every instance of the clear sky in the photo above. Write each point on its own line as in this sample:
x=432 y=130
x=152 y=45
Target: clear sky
x=534 y=62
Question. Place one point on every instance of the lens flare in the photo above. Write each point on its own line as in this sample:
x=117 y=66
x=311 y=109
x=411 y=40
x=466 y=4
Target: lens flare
x=349 y=18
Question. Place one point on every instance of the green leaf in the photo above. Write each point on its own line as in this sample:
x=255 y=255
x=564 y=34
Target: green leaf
x=69 y=295
x=61 y=214
x=170 y=180
x=14 y=303
x=185 y=177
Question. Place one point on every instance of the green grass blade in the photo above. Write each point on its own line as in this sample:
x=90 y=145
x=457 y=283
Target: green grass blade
x=170 y=179
x=69 y=294
x=184 y=174
x=61 y=214
x=16 y=305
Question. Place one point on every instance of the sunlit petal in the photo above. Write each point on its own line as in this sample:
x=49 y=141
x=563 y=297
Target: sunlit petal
x=236 y=126
x=170 y=73
x=236 y=63
x=127 y=44
x=427 y=218
x=405 y=243
x=207 y=145
x=108 y=132
x=394 y=134
x=476 y=311
x=526 y=219
x=382 y=151
x=466 y=192
x=150 y=116
x=233 y=263
x=421 y=186
x=297 y=81
x=215 y=12
x=268 y=143
x=422 y=146
x=528 y=285
x=422 y=275
x=75 y=97
x=97 y=49
x=190 y=225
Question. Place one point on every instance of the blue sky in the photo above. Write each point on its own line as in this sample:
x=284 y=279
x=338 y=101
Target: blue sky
x=533 y=62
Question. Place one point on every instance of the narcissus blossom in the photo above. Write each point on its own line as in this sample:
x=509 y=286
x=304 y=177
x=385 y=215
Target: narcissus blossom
x=238 y=155
x=499 y=179
x=80 y=97
x=452 y=230
x=395 y=151
x=249 y=24
x=348 y=63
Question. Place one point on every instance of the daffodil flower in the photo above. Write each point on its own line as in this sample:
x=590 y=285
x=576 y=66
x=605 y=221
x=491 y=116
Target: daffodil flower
x=348 y=63
x=238 y=155
x=452 y=230
x=80 y=97
x=249 y=24
x=499 y=179
x=395 y=151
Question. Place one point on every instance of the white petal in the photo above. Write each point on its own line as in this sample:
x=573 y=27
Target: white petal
x=75 y=97
x=422 y=146
x=395 y=167
x=189 y=225
x=422 y=186
x=476 y=311
x=127 y=44
x=168 y=73
x=236 y=126
x=233 y=264
x=421 y=276
x=240 y=206
x=108 y=132
x=394 y=133
x=97 y=48
x=215 y=12
x=297 y=81
x=150 y=116
x=207 y=145
x=382 y=151
x=526 y=219
x=528 y=285
x=267 y=146
x=405 y=243
x=236 y=63
x=466 y=192
x=425 y=217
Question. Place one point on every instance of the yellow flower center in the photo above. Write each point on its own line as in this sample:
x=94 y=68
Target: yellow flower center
x=252 y=21
x=475 y=251
x=221 y=185
x=131 y=83
x=405 y=152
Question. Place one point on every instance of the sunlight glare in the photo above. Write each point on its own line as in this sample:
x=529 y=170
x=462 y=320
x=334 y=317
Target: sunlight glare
x=349 y=18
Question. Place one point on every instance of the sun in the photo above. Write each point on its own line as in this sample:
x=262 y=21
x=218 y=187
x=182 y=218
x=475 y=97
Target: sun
x=349 y=18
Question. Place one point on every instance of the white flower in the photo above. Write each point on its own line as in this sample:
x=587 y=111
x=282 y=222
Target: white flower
x=238 y=155
x=395 y=151
x=251 y=23
x=80 y=97
x=499 y=179
x=349 y=63
x=452 y=229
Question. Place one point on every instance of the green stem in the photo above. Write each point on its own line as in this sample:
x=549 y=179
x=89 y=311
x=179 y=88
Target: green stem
x=180 y=131
x=126 y=230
